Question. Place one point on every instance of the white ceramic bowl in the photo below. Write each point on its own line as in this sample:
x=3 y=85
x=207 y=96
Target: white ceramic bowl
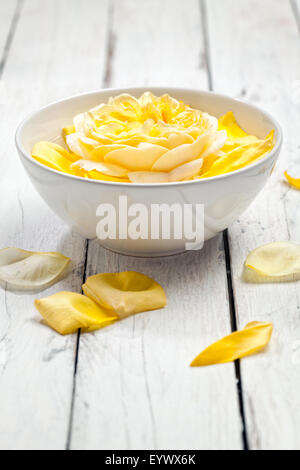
x=76 y=199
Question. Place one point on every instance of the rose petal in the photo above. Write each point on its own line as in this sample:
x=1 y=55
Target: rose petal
x=105 y=168
x=252 y=339
x=67 y=131
x=74 y=146
x=174 y=140
x=53 y=156
x=293 y=181
x=148 y=177
x=126 y=293
x=66 y=312
x=181 y=154
x=187 y=170
x=29 y=270
x=137 y=159
x=99 y=152
x=230 y=125
x=216 y=144
x=240 y=157
x=273 y=262
x=156 y=134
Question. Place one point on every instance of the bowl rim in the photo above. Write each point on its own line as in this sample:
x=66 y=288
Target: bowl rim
x=141 y=89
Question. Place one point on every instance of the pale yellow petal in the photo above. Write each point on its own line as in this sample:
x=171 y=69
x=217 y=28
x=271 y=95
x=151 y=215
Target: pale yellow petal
x=96 y=175
x=174 y=140
x=273 y=262
x=67 y=131
x=148 y=177
x=99 y=152
x=73 y=143
x=180 y=155
x=187 y=170
x=79 y=122
x=108 y=169
x=216 y=144
x=29 y=270
x=102 y=139
x=137 y=159
x=127 y=101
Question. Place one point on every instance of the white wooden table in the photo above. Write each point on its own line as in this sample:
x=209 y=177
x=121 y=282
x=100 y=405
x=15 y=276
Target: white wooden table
x=129 y=386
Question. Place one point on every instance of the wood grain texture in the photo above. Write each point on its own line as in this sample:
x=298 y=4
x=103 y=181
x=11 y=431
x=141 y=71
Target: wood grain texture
x=162 y=44
x=295 y=5
x=45 y=62
x=255 y=54
x=8 y=10
x=134 y=387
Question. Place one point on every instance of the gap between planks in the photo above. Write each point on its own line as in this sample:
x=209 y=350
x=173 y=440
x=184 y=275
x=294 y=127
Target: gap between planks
x=71 y=415
x=106 y=81
x=110 y=48
x=18 y=15
x=295 y=9
x=231 y=299
x=10 y=36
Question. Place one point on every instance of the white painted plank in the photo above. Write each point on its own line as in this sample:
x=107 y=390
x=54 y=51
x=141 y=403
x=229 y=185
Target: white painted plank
x=7 y=11
x=161 y=44
x=57 y=50
x=262 y=42
x=135 y=389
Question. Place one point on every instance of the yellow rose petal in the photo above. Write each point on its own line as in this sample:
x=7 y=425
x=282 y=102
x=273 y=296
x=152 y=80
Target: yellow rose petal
x=230 y=125
x=174 y=140
x=99 y=152
x=88 y=145
x=74 y=145
x=216 y=144
x=108 y=169
x=66 y=312
x=126 y=293
x=293 y=181
x=53 y=156
x=253 y=338
x=209 y=161
x=96 y=175
x=273 y=262
x=187 y=170
x=240 y=157
x=154 y=134
x=67 y=131
x=28 y=270
x=148 y=177
x=136 y=159
x=180 y=155
x=102 y=139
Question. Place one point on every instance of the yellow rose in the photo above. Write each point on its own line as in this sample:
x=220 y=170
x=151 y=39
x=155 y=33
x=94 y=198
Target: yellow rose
x=150 y=139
